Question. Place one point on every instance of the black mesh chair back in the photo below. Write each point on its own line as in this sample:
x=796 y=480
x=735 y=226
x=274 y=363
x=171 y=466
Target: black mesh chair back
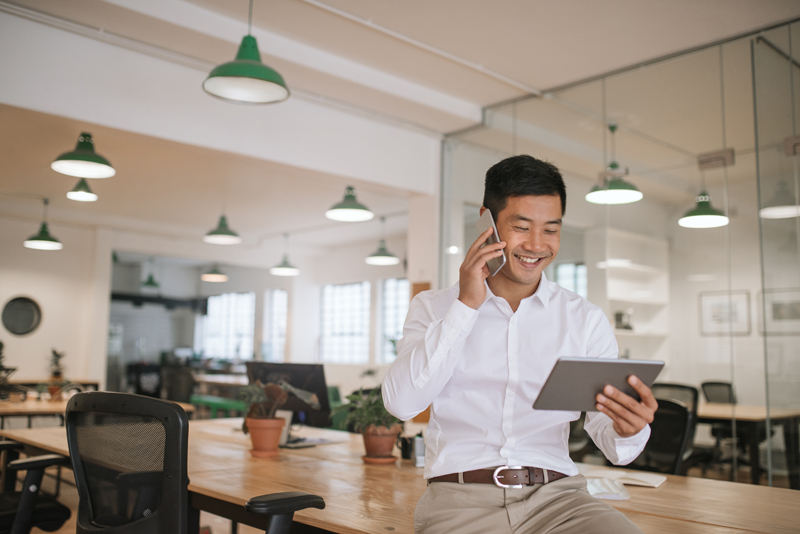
x=669 y=438
x=721 y=392
x=129 y=455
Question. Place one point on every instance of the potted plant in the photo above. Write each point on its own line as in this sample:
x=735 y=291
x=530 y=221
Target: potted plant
x=56 y=375
x=367 y=414
x=260 y=421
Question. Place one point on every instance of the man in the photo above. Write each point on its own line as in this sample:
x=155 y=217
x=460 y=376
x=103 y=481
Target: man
x=479 y=353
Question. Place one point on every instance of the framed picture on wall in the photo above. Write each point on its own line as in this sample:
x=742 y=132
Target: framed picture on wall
x=781 y=312
x=724 y=313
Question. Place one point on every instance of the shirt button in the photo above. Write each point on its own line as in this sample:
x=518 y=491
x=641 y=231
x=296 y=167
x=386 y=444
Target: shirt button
x=513 y=320
x=506 y=429
x=463 y=316
x=510 y=394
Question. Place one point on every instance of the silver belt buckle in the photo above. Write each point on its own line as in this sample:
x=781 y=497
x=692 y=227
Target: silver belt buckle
x=500 y=484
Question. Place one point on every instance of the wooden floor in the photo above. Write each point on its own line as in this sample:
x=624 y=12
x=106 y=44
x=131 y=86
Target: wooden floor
x=218 y=525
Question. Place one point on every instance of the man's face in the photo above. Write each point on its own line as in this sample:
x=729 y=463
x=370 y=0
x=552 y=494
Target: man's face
x=531 y=227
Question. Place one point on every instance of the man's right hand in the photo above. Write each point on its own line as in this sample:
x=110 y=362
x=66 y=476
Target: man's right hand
x=473 y=272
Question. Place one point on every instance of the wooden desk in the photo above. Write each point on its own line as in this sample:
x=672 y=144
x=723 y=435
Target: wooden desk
x=369 y=499
x=753 y=420
x=86 y=384
x=220 y=385
x=33 y=408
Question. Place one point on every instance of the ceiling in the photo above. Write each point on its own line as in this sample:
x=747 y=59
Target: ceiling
x=429 y=66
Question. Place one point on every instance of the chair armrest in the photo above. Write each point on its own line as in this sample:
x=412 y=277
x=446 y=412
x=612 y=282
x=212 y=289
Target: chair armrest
x=284 y=503
x=38 y=462
x=8 y=445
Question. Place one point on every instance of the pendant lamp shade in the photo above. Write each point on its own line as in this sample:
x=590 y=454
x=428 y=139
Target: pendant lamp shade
x=214 y=275
x=82 y=193
x=614 y=190
x=43 y=240
x=782 y=205
x=150 y=283
x=349 y=210
x=703 y=215
x=382 y=256
x=83 y=162
x=246 y=80
x=284 y=268
x=222 y=234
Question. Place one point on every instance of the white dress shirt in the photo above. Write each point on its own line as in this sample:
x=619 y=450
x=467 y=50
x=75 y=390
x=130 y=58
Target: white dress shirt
x=481 y=370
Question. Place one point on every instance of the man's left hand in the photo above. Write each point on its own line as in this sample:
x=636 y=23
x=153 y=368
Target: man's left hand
x=629 y=416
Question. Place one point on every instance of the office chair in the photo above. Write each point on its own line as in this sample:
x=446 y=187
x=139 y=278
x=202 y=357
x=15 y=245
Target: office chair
x=20 y=511
x=129 y=456
x=669 y=436
x=723 y=393
x=689 y=396
x=580 y=443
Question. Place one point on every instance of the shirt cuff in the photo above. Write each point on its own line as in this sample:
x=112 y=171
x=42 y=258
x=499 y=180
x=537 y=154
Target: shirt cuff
x=628 y=449
x=460 y=317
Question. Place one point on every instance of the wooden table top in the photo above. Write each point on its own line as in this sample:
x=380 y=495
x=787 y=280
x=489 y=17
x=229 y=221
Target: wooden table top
x=48 y=407
x=364 y=499
x=711 y=410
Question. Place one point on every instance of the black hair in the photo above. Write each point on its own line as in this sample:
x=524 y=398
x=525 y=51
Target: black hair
x=520 y=176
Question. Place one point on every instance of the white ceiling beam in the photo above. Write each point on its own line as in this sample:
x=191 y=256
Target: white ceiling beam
x=195 y=18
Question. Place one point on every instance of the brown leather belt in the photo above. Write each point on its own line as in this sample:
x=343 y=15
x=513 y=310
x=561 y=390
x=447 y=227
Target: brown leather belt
x=503 y=476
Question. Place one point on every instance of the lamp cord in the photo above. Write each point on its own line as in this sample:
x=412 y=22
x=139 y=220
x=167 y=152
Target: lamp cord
x=44 y=210
x=605 y=124
x=250 y=19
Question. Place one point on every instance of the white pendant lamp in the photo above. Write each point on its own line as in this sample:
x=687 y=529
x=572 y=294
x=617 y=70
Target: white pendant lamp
x=83 y=162
x=214 y=275
x=349 y=209
x=43 y=240
x=613 y=188
x=222 y=234
x=246 y=80
x=285 y=268
x=382 y=256
x=782 y=206
x=82 y=193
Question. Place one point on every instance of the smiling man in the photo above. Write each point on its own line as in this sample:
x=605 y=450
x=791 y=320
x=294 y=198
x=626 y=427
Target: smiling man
x=479 y=352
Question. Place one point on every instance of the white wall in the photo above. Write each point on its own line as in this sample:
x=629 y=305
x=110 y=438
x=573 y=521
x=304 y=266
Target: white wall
x=65 y=284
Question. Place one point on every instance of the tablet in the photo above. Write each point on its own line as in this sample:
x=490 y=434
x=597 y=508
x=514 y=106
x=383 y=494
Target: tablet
x=574 y=383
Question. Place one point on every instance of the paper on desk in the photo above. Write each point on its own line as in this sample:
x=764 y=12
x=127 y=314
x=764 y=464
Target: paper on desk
x=632 y=478
x=607 y=488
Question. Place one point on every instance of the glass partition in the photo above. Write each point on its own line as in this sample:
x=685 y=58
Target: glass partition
x=718 y=304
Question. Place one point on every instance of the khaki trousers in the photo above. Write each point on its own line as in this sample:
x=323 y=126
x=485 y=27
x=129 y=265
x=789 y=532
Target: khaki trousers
x=563 y=506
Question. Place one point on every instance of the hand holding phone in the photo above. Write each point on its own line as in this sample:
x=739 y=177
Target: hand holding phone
x=484 y=258
x=484 y=223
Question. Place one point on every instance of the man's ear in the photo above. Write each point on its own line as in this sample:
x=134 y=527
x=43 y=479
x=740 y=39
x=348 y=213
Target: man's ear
x=483 y=208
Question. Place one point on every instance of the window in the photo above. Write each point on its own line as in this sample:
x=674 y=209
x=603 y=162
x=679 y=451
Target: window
x=394 y=308
x=273 y=336
x=344 y=325
x=227 y=330
x=572 y=276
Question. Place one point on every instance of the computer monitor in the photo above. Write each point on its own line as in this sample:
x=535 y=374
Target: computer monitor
x=305 y=384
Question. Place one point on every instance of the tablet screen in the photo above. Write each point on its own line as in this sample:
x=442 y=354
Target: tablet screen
x=574 y=383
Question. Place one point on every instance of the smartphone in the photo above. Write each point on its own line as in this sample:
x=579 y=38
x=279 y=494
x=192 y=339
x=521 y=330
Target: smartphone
x=484 y=223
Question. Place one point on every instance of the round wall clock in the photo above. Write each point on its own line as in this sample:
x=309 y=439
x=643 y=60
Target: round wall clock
x=21 y=316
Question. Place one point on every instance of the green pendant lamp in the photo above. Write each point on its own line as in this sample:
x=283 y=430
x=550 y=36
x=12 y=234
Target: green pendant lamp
x=782 y=206
x=285 y=268
x=382 y=256
x=704 y=215
x=150 y=283
x=613 y=189
x=82 y=193
x=43 y=240
x=83 y=162
x=246 y=80
x=214 y=275
x=349 y=209
x=222 y=234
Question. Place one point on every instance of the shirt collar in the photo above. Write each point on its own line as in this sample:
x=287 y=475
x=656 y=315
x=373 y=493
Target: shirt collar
x=542 y=292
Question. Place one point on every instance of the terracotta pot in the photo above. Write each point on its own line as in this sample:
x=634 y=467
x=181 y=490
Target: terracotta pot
x=53 y=390
x=265 y=435
x=380 y=441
